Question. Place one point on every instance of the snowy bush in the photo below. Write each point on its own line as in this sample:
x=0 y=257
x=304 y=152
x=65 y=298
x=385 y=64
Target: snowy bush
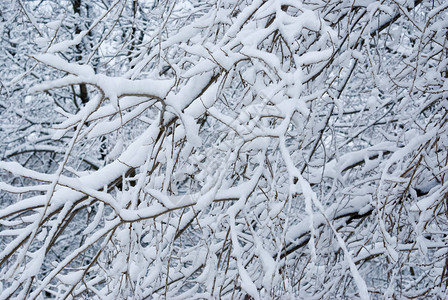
x=224 y=149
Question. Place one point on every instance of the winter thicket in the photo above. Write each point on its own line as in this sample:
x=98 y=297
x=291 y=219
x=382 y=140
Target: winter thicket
x=223 y=149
